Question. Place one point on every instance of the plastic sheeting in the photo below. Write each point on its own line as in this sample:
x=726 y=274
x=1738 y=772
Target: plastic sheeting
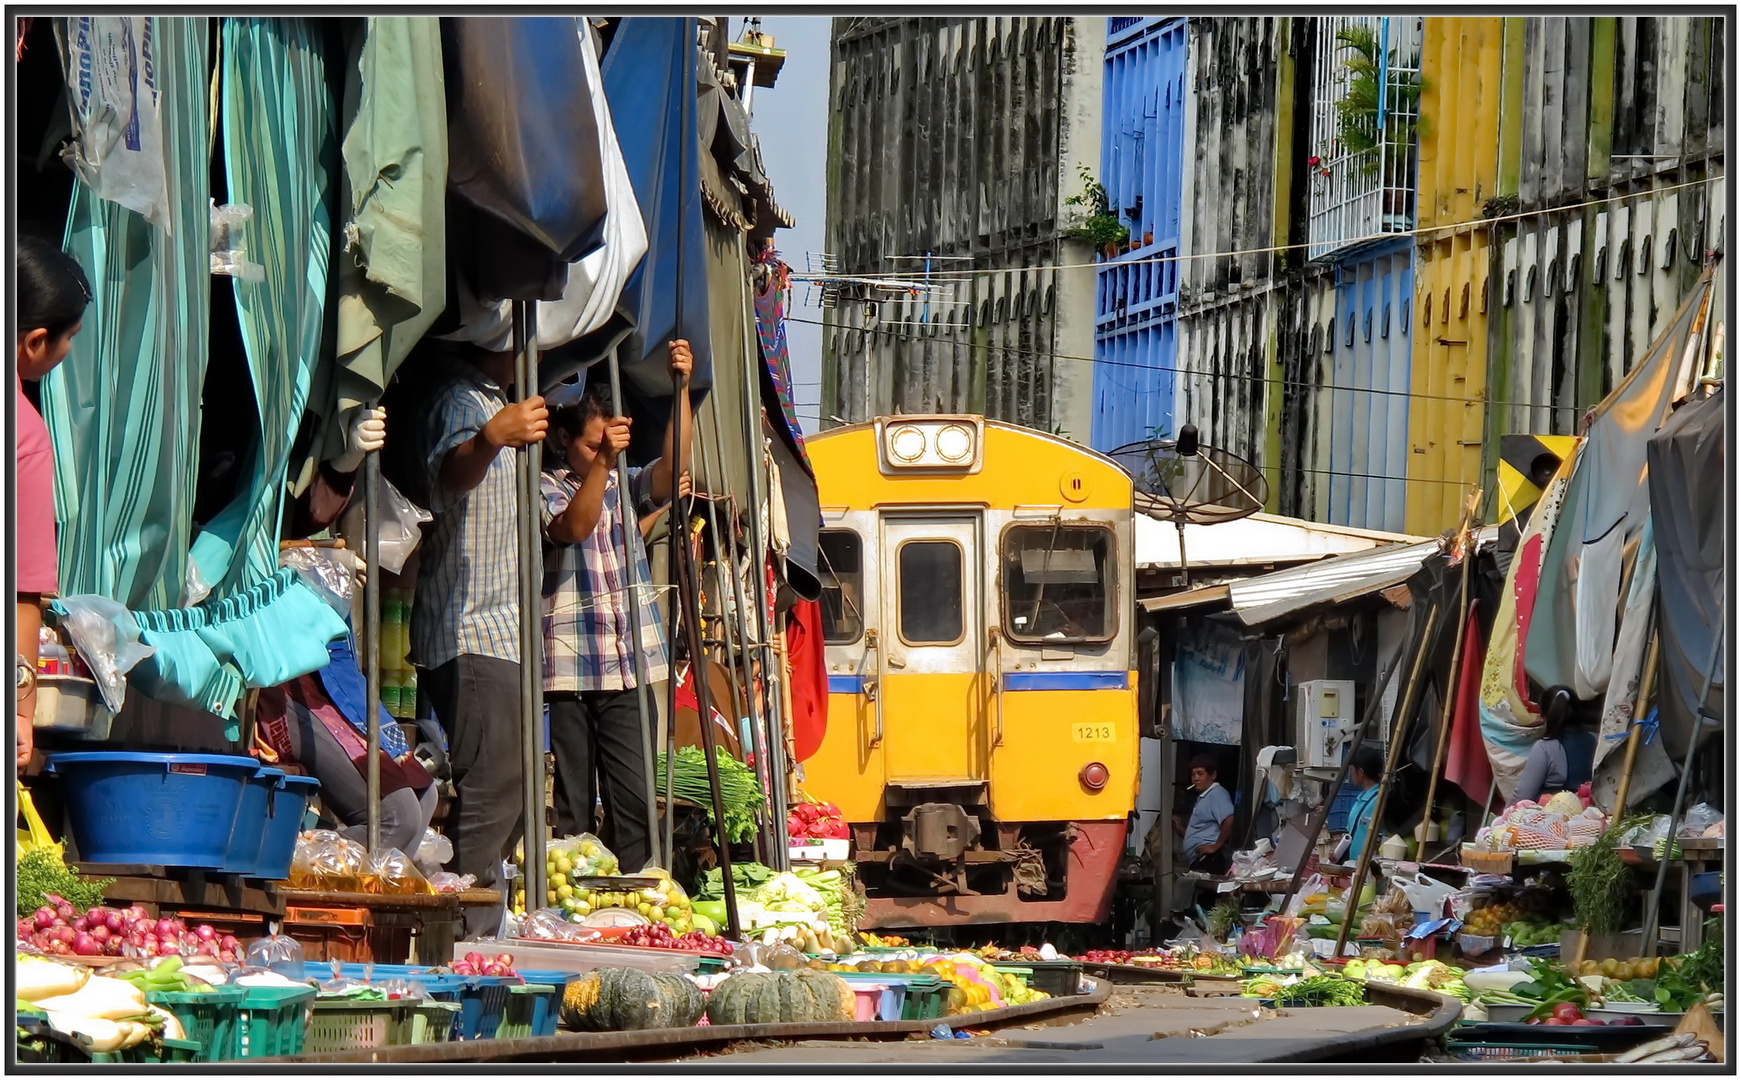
x=523 y=149
x=1686 y=490
x=1585 y=569
x=648 y=72
x=594 y=284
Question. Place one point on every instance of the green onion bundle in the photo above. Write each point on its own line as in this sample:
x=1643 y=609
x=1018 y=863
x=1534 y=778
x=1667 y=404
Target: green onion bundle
x=739 y=793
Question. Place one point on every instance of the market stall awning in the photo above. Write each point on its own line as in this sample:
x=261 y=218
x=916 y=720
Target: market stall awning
x=1258 y=539
x=1331 y=581
x=1184 y=601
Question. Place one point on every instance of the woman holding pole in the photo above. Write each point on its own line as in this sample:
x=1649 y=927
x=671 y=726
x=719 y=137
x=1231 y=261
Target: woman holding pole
x=590 y=670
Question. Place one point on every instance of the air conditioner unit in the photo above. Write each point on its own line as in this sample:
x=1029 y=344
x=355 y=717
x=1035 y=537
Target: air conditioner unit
x=1323 y=722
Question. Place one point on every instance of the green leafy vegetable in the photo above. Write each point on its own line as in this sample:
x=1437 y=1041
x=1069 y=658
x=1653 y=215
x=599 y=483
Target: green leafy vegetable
x=1321 y=990
x=740 y=795
x=1598 y=879
x=42 y=874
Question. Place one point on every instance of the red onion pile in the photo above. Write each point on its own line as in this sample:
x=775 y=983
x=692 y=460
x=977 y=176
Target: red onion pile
x=130 y=931
x=479 y=964
x=659 y=936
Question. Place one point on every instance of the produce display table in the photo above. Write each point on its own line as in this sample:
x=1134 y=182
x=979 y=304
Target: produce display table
x=1698 y=856
x=174 y=888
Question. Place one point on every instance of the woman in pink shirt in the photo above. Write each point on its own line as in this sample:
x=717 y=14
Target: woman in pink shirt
x=52 y=294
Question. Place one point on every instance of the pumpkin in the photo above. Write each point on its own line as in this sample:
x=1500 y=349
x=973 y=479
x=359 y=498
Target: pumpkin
x=623 y=999
x=780 y=997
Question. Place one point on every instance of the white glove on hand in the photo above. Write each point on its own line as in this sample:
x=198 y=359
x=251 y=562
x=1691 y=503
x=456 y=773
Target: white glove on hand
x=365 y=432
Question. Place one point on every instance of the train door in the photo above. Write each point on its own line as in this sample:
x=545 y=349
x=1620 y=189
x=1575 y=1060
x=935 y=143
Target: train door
x=933 y=706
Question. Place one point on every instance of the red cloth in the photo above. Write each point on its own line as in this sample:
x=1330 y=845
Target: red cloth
x=37 y=572
x=809 y=677
x=1466 y=763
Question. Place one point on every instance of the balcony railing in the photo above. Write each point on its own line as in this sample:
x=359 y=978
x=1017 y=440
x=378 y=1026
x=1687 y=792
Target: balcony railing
x=1365 y=116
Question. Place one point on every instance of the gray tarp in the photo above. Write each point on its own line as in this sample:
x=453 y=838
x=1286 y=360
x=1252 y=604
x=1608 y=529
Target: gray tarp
x=1686 y=506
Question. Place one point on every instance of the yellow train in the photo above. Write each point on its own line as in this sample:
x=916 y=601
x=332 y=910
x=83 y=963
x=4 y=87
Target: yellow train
x=978 y=614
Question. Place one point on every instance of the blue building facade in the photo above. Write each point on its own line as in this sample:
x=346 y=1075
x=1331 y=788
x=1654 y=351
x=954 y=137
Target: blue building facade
x=1367 y=428
x=1142 y=169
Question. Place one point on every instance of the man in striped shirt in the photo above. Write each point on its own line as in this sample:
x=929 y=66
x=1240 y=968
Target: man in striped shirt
x=465 y=626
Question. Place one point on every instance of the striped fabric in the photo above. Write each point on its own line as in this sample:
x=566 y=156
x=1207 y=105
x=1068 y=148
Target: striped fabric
x=586 y=622
x=280 y=157
x=124 y=409
x=468 y=579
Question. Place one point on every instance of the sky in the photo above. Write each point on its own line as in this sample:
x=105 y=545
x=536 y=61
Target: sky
x=791 y=120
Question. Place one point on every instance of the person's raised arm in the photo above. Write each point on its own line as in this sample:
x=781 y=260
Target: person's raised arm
x=580 y=517
x=516 y=425
x=682 y=364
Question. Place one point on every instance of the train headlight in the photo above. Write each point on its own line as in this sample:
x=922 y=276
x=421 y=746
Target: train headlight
x=1094 y=776
x=931 y=443
x=907 y=444
x=955 y=444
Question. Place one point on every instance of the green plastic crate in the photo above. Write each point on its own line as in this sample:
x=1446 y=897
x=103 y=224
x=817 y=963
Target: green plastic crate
x=162 y=1052
x=432 y=1021
x=527 y=1006
x=927 y=999
x=273 y=1021
x=208 y=1018
x=348 y=1024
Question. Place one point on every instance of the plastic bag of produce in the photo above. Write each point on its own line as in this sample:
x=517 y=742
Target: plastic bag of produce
x=391 y=873
x=446 y=882
x=1698 y=820
x=433 y=852
x=327 y=862
x=581 y=856
x=278 y=954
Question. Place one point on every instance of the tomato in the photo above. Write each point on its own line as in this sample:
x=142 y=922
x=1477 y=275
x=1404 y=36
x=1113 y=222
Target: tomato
x=1565 y=1010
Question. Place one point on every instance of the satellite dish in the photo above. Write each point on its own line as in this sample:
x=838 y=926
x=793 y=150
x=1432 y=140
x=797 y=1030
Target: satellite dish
x=1189 y=482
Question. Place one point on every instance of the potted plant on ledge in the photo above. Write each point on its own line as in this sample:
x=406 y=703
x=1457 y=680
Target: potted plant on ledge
x=1101 y=227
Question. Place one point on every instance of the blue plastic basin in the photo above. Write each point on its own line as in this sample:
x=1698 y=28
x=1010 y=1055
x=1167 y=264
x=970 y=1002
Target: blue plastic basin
x=244 y=850
x=154 y=809
x=284 y=812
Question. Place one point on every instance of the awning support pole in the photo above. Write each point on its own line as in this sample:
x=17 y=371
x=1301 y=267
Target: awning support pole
x=372 y=634
x=1467 y=542
x=534 y=840
x=1398 y=726
x=1653 y=915
x=643 y=691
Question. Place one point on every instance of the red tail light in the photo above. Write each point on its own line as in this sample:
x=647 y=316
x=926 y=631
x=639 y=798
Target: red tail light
x=1094 y=776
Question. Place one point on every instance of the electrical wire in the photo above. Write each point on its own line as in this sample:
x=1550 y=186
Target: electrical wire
x=1453 y=227
x=1290 y=383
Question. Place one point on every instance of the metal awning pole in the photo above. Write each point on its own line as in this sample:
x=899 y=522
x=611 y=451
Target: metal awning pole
x=631 y=565
x=740 y=605
x=719 y=562
x=372 y=634
x=771 y=676
x=531 y=615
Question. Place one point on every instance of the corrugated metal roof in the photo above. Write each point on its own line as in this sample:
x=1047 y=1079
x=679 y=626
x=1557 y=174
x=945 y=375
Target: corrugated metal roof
x=1190 y=598
x=1271 y=596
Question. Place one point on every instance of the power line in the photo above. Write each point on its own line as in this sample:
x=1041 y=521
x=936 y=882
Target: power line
x=1210 y=374
x=1423 y=231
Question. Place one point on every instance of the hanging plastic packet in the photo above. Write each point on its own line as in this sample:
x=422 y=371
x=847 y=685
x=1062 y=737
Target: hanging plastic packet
x=229 y=256
x=279 y=954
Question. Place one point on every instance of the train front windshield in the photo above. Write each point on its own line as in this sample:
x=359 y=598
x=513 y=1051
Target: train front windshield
x=1055 y=583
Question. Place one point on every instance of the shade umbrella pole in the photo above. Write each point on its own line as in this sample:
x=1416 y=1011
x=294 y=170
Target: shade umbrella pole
x=526 y=464
x=372 y=634
x=1448 y=713
x=1634 y=733
x=632 y=569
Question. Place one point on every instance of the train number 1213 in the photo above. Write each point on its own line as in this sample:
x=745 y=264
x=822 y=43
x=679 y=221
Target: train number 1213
x=1093 y=732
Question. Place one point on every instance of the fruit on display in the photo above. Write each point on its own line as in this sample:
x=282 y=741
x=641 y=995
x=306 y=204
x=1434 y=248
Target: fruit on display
x=659 y=936
x=57 y=929
x=816 y=821
x=800 y=996
x=624 y=999
x=479 y=964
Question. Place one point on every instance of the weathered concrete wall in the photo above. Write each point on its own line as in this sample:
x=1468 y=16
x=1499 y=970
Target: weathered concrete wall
x=949 y=137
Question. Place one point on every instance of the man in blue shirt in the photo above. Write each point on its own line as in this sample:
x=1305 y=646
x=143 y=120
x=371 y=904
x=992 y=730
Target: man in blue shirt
x=1211 y=823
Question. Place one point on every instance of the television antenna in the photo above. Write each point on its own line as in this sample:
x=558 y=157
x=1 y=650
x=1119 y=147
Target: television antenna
x=1189 y=482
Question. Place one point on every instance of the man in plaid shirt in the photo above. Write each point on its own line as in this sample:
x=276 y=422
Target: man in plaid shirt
x=590 y=671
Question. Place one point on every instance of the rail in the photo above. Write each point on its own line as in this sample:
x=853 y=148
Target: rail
x=665 y=1044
